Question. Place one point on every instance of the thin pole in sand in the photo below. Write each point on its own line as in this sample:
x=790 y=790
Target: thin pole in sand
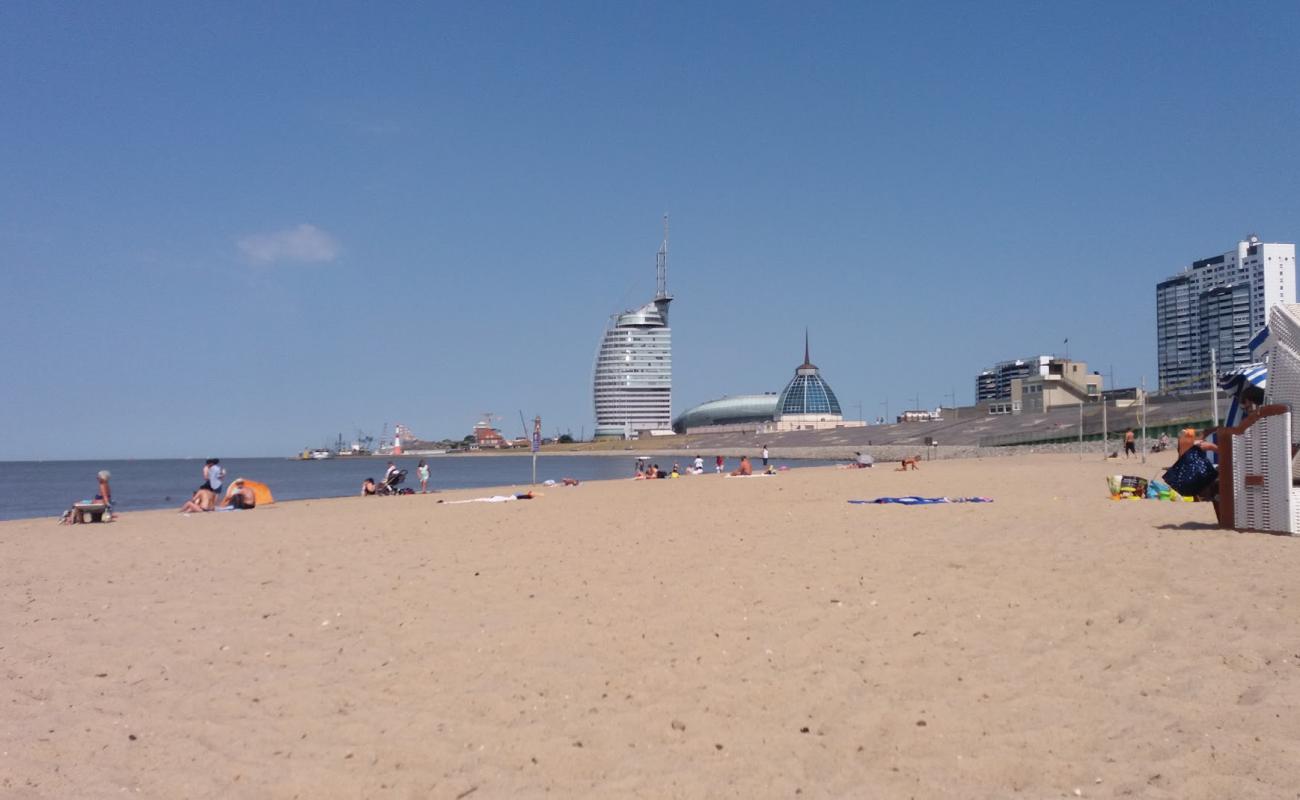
x=1144 y=419
x=1105 y=430
x=1080 y=430
x=1214 y=386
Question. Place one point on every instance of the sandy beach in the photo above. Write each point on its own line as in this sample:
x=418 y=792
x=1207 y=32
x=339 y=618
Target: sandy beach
x=702 y=637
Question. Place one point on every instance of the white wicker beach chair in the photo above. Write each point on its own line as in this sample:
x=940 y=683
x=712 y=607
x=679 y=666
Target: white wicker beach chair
x=1263 y=497
x=1260 y=474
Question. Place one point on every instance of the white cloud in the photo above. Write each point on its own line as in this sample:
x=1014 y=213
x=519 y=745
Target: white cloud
x=305 y=243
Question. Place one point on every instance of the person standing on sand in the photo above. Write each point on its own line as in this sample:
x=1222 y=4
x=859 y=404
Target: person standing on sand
x=1130 y=446
x=719 y=464
x=423 y=471
x=764 y=455
x=212 y=476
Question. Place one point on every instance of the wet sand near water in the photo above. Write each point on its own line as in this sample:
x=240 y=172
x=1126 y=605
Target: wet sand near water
x=700 y=637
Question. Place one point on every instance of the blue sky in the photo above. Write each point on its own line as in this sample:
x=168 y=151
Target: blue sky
x=239 y=229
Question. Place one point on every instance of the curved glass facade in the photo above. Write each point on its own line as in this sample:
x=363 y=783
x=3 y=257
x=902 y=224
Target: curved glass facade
x=807 y=393
x=633 y=383
x=734 y=410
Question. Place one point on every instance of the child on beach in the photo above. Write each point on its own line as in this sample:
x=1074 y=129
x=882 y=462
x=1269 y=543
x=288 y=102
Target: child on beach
x=423 y=471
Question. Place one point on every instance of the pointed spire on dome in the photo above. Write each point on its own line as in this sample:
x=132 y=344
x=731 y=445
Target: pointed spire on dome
x=807 y=362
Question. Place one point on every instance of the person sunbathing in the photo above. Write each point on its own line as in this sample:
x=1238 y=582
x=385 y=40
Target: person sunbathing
x=368 y=487
x=203 y=500
x=745 y=468
x=909 y=462
x=240 y=496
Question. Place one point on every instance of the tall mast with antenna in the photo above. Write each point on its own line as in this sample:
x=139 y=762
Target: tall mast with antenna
x=661 y=266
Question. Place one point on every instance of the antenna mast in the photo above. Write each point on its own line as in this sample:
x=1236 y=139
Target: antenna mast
x=661 y=266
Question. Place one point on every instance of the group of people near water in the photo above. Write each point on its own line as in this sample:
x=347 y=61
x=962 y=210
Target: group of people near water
x=239 y=495
x=644 y=470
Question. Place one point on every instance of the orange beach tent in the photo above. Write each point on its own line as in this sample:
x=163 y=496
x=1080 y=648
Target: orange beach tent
x=260 y=490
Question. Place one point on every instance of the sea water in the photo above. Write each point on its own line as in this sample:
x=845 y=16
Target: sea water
x=47 y=488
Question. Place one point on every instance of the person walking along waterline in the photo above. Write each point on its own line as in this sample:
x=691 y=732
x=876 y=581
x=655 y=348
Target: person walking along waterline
x=1130 y=447
x=764 y=455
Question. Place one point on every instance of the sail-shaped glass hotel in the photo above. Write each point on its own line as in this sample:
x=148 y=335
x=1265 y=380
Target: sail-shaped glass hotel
x=633 y=383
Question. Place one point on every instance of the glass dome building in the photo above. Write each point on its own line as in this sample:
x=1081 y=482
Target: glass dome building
x=808 y=397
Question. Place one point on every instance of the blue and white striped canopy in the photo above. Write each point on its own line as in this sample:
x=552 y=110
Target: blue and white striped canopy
x=1236 y=381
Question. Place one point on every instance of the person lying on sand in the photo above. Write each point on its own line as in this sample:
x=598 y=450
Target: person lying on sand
x=203 y=500
x=745 y=468
x=368 y=487
x=909 y=462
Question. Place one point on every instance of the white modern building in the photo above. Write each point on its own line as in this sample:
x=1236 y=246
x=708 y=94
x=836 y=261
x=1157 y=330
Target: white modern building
x=1218 y=303
x=633 y=381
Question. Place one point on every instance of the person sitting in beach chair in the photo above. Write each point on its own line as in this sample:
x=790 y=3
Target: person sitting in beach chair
x=100 y=509
x=745 y=468
x=240 y=496
x=912 y=462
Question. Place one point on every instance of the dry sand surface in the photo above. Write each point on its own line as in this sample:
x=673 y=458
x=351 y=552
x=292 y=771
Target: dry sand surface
x=701 y=637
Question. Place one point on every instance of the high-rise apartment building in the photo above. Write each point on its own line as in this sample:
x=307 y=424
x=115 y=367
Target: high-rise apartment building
x=1218 y=303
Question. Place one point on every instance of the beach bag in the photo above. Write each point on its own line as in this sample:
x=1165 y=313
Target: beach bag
x=1132 y=486
x=1191 y=473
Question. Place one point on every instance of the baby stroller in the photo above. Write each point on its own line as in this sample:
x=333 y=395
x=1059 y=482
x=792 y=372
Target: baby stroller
x=389 y=486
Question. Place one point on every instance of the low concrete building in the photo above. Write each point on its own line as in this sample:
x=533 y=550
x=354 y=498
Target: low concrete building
x=1062 y=383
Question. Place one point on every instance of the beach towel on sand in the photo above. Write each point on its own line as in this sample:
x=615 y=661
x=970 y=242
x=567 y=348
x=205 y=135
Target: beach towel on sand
x=913 y=500
x=496 y=498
